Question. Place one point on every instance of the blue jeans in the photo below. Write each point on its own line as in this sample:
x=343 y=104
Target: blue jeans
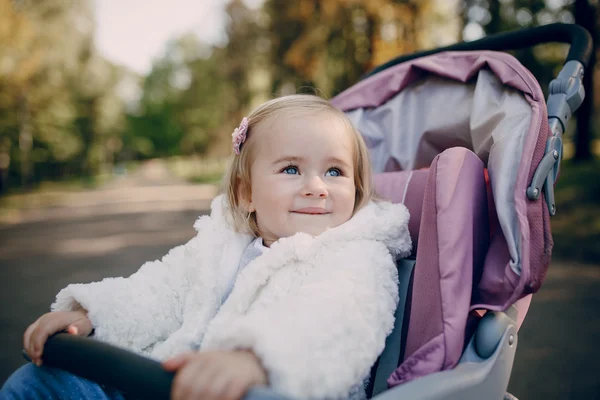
x=32 y=382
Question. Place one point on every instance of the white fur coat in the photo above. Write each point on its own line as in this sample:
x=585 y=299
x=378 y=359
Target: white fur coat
x=315 y=310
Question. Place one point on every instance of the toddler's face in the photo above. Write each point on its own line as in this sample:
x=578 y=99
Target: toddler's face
x=302 y=175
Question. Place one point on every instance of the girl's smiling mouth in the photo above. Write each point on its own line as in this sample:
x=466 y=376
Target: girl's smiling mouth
x=311 y=210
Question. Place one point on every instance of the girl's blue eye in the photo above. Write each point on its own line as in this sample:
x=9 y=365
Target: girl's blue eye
x=333 y=172
x=291 y=170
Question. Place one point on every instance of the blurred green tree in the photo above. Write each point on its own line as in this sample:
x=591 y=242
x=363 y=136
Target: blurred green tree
x=18 y=63
x=331 y=44
x=99 y=113
x=246 y=54
x=586 y=15
x=186 y=99
x=55 y=91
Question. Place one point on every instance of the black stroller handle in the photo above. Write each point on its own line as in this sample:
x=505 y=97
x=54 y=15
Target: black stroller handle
x=135 y=375
x=578 y=37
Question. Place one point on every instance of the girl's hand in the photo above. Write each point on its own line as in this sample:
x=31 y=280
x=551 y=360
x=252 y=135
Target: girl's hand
x=74 y=322
x=216 y=375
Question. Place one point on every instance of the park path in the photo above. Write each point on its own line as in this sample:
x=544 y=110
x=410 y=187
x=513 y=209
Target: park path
x=85 y=236
x=151 y=187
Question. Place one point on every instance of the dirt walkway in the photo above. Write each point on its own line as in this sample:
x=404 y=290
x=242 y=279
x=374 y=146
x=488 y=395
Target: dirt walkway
x=150 y=188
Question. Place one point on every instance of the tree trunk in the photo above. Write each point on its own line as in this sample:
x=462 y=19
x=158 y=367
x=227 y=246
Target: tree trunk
x=25 y=140
x=585 y=15
x=4 y=165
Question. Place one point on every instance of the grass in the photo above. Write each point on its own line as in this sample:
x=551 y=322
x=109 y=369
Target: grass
x=576 y=225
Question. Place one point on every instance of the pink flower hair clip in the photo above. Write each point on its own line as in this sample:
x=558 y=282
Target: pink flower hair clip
x=239 y=135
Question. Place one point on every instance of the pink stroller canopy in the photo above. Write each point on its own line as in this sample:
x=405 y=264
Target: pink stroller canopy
x=486 y=102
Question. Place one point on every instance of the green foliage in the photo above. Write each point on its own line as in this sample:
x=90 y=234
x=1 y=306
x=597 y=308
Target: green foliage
x=62 y=114
x=576 y=226
x=184 y=102
x=331 y=44
x=57 y=113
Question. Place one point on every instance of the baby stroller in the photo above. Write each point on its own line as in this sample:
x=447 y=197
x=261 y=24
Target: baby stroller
x=462 y=135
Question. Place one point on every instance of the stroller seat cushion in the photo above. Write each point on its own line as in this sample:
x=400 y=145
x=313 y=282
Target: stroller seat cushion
x=449 y=221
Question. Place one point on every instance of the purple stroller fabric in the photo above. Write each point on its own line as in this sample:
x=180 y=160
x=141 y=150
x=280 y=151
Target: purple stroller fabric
x=452 y=241
x=407 y=187
x=502 y=283
x=461 y=265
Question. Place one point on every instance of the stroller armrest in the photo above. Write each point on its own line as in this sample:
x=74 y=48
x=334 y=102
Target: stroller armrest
x=473 y=378
x=124 y=370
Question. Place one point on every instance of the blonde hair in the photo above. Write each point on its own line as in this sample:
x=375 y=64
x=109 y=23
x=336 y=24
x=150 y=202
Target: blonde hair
x=237 y=183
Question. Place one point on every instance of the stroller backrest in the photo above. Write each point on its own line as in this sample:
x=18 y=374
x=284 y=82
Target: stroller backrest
x=448 y=203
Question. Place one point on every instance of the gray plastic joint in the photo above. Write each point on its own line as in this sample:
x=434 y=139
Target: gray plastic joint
x=566 y=96
x=566 y=93
x=546 y=173
x=556 y=127
x=489 y=332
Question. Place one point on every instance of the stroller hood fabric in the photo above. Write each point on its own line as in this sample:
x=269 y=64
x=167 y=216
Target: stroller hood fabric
x=484 y=101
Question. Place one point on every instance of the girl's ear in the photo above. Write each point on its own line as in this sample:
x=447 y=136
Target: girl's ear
x=246 y=203
x=245 y=196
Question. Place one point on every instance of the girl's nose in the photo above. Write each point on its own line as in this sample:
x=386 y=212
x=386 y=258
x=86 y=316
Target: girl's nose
x=315 y=187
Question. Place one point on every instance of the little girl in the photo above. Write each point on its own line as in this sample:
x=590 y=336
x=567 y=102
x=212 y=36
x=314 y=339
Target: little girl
x=290 y=282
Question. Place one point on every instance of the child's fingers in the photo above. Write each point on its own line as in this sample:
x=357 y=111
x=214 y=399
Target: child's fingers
x=38 y=340
x=27 y=339
x=225 y=387
x=81 y=326
x=178 y=361
x=236 y=390
x=47 y=326
x=193 y=381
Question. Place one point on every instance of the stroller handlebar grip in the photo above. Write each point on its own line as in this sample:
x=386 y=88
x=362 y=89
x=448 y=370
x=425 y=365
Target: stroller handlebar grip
x=133 y=374
x=124 y=370
x=579 y=39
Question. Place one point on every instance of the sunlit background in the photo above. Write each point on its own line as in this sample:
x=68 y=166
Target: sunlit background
x=87 y=86
x=115 y=123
